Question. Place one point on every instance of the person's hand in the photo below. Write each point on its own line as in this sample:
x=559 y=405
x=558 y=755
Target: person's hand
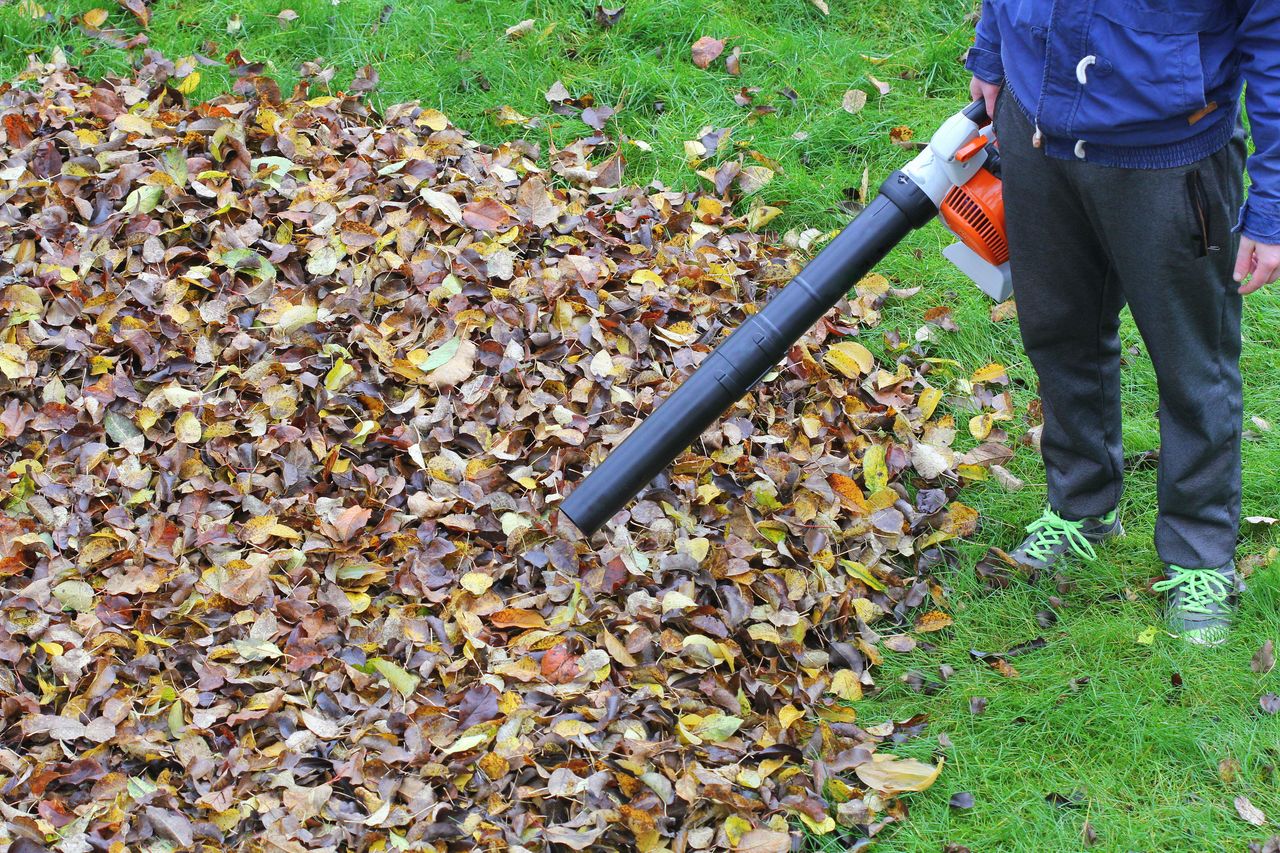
x=979 y=88
x=1259 y=262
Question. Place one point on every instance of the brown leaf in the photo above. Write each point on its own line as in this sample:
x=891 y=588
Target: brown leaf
x=350 y=521
x=705 y=51
x=854 y=100
x=485 y=215
x=1264 y=660
x=140 y=11
x=934 y=620
x=1248 y=812
x=764 y=841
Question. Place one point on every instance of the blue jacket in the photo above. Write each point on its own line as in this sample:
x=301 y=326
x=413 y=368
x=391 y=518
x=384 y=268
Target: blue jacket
x=1144 y=84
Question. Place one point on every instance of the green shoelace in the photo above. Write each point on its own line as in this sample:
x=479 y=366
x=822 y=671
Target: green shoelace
x=1051 y=530
x=1201 y=589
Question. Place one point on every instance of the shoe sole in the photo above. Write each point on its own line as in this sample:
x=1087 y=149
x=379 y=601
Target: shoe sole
x=1205 y=641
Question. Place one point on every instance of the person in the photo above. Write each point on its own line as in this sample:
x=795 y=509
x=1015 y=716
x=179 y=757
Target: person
x=1123 y=155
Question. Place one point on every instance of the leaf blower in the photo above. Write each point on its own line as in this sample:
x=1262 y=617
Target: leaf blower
x=956 y=176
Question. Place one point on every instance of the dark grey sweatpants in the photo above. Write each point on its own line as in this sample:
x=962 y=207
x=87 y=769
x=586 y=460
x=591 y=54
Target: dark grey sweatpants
x=1084 y=240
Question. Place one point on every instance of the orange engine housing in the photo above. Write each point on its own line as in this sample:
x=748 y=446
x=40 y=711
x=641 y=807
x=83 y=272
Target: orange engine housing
x=975 y=213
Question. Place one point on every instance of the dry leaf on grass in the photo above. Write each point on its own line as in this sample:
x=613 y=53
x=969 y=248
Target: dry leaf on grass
x=705 y=51
x=1249 y=813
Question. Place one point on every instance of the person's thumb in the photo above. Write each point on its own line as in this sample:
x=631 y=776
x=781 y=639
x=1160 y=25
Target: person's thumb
x=1244 y=258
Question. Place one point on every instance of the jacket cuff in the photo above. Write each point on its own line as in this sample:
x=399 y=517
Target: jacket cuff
x=985 y=65
x=1260 y=221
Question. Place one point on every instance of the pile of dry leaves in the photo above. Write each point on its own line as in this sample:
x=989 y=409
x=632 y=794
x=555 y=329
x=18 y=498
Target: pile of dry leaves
x=289 y=391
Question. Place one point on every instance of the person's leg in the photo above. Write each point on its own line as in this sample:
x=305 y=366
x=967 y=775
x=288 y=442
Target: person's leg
x=1069 y=314
x=1168 y=235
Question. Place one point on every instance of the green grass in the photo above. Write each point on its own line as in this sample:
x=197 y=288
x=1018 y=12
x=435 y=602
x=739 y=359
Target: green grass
x=1142 y=754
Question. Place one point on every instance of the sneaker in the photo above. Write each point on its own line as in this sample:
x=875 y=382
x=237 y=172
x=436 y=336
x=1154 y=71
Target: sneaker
x=1200 y=602
x=1050 y=537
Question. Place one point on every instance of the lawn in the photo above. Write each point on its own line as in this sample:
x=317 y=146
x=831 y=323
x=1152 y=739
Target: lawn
x=1146 y=743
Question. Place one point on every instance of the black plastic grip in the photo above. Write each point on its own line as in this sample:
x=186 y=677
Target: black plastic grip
x=748 y=354
x=977 y=113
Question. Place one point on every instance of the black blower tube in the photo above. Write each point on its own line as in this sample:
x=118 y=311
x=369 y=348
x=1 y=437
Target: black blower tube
x=744 y=358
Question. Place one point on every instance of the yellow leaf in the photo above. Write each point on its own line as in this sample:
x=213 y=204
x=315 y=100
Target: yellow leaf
x=505 y=115
x=433 y=119
x=788 y=715
x=466 y=742
x=875 y=473
x=735 y=828
x=100 y=364
x=132 y=123
x=762 y=215
x=476 y=583
x=295 y=317
x=863 y=574
x=1148 y=635
x=188 y=84
x=147 y=418
x=13 y=361
x=980 y=426
x=891 y=775
x=494 y=765
x=187 y=428
x=573 y=728
x=338 y=375
x=95 y=18
x=845 y=684
x=929 y=399
x=647 y=277
x=850 y=358
x=990 y=373
x=257 y=530
x=709 y=207
x=822 y=827
x=699 y=548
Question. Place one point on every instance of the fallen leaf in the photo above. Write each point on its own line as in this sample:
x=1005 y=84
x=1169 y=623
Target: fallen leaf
x=890 y=775
x=1249 y=813
x=520 y=30
x=764 y=841
x=1264 y=660
x=854 y=101
x=705 y=51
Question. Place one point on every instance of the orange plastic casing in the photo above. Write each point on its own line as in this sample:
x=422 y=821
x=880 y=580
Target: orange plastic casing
x=975 y=213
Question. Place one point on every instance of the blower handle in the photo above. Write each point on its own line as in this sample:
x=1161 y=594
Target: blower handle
x=977 y=113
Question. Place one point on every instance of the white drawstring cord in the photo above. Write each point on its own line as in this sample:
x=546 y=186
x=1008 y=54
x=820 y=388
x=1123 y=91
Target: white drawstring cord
x=1082 y=68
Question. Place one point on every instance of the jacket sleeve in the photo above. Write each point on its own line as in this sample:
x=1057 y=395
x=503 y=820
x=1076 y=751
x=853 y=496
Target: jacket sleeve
x=984 y=57
x=1259 y=40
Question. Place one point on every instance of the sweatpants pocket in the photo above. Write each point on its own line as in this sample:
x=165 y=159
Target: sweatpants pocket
x=1202 y=212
